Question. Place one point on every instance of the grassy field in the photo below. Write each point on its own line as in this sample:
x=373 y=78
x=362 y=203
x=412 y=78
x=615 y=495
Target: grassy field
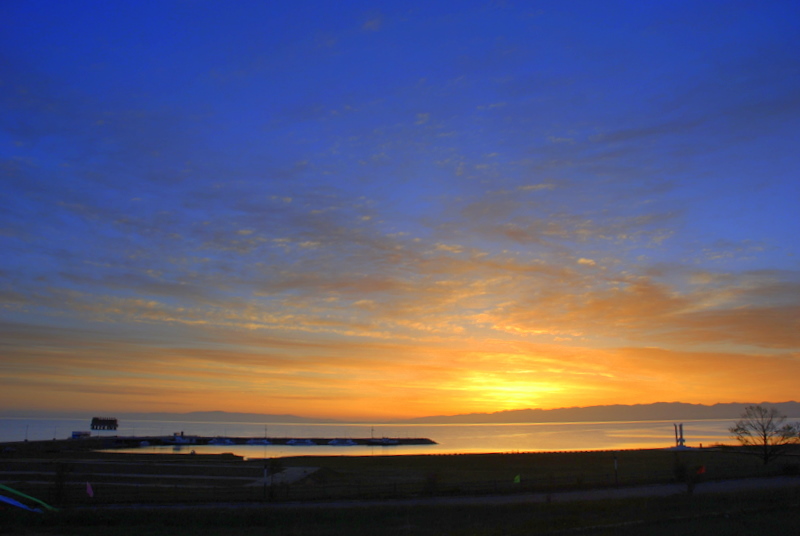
x=61 y=478
x=558 y=470
x=750 y=513
x=181 y=494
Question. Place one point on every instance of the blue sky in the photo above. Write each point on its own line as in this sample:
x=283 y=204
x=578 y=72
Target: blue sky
x=379 y=209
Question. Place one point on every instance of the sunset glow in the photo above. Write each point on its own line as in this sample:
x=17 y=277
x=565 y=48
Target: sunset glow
x=376 y=210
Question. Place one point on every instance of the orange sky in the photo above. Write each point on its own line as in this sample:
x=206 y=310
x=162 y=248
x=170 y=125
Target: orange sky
x=371 y=375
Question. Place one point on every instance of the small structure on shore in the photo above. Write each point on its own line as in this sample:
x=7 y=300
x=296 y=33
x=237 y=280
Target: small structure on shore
x=680 y=442
x=104 y=423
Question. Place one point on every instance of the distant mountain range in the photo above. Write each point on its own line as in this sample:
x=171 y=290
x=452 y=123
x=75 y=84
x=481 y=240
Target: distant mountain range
x=660 y=411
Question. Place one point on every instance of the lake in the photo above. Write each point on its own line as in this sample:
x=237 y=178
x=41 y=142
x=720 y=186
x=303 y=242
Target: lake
x=449 y=438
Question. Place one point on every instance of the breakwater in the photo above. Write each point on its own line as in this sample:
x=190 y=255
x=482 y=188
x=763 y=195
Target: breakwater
x=130 y=442
x=180 y=439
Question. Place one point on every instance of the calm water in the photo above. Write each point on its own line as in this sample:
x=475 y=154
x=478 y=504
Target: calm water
x=475 y=438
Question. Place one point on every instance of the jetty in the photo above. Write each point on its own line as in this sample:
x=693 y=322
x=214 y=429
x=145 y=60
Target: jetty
x=291 y=441
x=84 y=443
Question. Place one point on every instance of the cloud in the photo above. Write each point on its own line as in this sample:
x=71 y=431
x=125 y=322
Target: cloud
x=537 y=187
x=642 y=309
x=373 y=23
x=449 y=248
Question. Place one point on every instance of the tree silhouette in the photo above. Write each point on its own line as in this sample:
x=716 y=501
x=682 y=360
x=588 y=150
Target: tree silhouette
x=765 y=431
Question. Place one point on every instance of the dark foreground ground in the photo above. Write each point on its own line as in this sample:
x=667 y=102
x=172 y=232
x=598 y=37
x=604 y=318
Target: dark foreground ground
x=771 y=511
x=627 y=492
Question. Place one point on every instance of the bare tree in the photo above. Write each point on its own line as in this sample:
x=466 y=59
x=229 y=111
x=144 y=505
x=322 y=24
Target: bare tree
x=765 y=431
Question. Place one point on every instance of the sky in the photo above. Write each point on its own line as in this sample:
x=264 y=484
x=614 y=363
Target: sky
x=373 y=210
